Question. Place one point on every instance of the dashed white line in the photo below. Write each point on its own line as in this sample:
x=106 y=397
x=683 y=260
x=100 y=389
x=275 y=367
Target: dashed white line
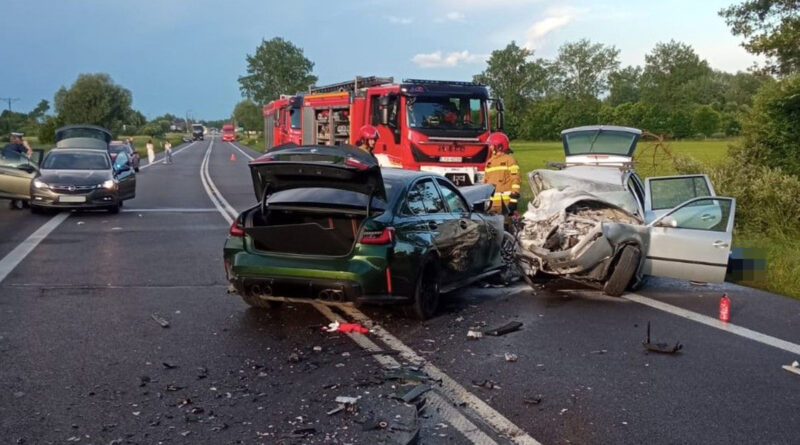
x=12 y=260
x=714 y=323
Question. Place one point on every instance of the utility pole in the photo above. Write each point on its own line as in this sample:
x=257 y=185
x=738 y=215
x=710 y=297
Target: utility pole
x=9 y=100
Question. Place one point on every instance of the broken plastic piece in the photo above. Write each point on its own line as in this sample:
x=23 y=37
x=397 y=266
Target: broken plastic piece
x=160 y=320
x=511 y=357
x=793 y=368
x=660 y=347
x=405 y=374
x=335 y=410
x=347 y=400
x=505 y=329
x=345 y=327
x=416 y=392
x=474 y=334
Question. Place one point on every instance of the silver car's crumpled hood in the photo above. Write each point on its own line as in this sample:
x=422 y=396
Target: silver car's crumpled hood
x=568 y=212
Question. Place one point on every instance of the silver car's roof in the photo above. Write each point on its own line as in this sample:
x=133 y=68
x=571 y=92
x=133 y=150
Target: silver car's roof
x=602 y=127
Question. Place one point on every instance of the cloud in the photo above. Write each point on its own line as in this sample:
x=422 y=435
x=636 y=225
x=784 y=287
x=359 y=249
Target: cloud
x=400 y=20
x=438 y=59
x=453 y=16
x=554 y=20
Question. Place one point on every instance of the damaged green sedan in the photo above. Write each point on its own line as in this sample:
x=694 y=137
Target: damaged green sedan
x=331 y=225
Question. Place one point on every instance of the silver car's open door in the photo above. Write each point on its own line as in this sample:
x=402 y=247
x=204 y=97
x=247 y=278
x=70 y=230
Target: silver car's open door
x=692 y=241
x=663 y=193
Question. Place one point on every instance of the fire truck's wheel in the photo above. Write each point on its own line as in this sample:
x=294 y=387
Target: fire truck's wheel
x=627 y=263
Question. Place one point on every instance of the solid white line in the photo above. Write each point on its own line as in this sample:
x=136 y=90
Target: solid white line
x=213 y=186
x=714 y=323
x=163 y=158
x=211 y=195
x=443 y=408
x=450 y=387
x=171 y=210
x=10 y=261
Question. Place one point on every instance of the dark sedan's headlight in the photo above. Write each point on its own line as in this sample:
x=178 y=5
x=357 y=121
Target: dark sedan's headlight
x=40 y=184
x=108 y=185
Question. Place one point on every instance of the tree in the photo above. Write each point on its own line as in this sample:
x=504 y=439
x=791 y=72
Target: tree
x=582 y=68
x=248 y=115
x=623 y=85
x=515 y=76
x=668 y=69
x=277 y=67
x=705 y=120
x=680 y=123
x=771 y=28
x=37 y=114
x=94 y=99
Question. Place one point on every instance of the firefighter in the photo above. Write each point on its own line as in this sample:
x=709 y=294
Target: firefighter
x=502 y=171
x=368 y=138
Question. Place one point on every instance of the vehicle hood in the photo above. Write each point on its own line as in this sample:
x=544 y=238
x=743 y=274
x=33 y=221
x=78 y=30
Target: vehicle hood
x=292 y=167
x=74 y=177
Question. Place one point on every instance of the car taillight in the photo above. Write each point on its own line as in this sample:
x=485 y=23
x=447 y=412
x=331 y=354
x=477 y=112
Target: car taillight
x=236 y=229
x=383 y=237
x=353 y=162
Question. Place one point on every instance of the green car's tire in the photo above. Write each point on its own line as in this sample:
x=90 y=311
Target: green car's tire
x=426 y=294
x=621 y=276
x=259 y=303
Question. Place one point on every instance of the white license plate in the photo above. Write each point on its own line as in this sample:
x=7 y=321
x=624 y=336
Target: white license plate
x=450 y=159
x=71 y=199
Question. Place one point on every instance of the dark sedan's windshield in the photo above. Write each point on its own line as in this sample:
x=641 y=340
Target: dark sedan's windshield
x=460 y=113
x=76 y=161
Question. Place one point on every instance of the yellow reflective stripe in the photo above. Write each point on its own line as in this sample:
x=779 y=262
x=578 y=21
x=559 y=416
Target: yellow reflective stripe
x=497 y=169
x=515 y=186
x=514 y=168
x=496 y=198
x=513 y=200
x=507 y=193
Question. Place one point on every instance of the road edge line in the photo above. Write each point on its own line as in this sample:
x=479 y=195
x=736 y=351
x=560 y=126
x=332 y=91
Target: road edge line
x=211 y=196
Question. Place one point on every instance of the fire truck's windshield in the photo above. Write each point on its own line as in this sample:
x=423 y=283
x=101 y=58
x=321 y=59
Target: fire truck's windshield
x=444 y=114
x=294 y=117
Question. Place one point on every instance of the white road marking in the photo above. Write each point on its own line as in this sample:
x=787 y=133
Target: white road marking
x=452 y=389
x=241 y=151
x=12 y=260
x=170 y=210
x=442 y=406
x=164 y=157
x=714 y=323
x=211 y=194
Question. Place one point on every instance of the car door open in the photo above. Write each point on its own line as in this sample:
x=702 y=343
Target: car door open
x=692 y=241
x=664 y=193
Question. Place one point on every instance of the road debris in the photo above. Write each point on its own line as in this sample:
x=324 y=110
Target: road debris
x=160 y=320
x=294 y=358
x=416 y=392
x=505 y=329
x=345 y=327
x=599 y=351
x=412 y=375
x=374 y=424
x=335 y=410
x=474 y=335
x=485 y=383
x=300 y=433
x=663 y=348
x=793 y=368
x=533 y=400
x=168 y=365
x=511 y=357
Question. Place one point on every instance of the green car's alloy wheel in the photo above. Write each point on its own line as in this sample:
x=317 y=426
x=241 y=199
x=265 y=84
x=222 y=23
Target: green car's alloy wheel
x=426 y=294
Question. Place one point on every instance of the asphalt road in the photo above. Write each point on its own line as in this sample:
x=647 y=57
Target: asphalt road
x=83 y=361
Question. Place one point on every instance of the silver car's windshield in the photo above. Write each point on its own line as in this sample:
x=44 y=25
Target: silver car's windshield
x=76 y=161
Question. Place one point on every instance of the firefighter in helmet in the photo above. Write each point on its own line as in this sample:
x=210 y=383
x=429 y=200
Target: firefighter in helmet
x=368 y=138
x=502 y=171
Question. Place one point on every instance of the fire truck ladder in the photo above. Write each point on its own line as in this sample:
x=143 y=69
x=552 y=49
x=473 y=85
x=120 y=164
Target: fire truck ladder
x=352 y=85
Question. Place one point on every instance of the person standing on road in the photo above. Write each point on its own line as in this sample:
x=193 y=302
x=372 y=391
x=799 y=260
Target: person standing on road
x=168 y=152
x=502 y=171
x=18 y=145
x=368 y=139
x=151 y=154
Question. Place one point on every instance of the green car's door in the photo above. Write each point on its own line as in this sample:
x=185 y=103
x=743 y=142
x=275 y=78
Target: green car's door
x=16 y=173
x=472 y=249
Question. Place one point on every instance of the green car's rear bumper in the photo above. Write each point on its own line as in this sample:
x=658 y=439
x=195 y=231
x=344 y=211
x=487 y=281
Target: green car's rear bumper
x=361 y=277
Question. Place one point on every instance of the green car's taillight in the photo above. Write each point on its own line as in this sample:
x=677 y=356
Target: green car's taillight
x=384 y=236
x=236 y=229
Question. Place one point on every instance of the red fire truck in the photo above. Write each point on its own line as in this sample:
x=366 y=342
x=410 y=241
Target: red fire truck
x=228 y=133
x=436 y=126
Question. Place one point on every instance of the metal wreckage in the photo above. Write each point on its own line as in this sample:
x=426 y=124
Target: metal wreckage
x=595 y=221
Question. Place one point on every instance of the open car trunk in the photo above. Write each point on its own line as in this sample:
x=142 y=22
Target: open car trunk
x=304 y=231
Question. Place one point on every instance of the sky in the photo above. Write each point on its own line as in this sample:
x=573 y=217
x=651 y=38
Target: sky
x=184 y=56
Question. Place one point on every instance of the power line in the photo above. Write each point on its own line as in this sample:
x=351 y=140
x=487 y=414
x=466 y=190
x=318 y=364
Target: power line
x=9 y=100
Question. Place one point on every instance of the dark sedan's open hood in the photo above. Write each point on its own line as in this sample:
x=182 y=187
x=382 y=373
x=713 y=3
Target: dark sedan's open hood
x=83 y=136
x=341 y=167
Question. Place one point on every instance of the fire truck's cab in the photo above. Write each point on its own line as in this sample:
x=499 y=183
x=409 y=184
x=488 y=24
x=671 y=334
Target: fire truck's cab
x=282 y=120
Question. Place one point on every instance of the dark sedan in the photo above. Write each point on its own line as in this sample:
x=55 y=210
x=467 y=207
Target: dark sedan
x=82 y=178
x=332 y=225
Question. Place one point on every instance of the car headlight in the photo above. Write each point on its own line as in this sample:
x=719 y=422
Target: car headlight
x=109 y=184
x=39 y=184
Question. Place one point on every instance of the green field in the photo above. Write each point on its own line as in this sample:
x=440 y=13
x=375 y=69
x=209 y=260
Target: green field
x=783 y=271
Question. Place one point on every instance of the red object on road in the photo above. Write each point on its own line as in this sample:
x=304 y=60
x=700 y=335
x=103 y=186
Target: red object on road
x=345 y=327
x=233 y=157
x=724 y=308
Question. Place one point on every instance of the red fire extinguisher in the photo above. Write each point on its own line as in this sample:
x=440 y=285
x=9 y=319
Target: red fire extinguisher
x=724 y=308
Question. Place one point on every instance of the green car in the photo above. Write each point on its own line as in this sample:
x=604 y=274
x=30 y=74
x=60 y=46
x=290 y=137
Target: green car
x=332 y=225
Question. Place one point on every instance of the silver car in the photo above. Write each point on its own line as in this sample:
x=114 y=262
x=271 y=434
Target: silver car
x=594 y=220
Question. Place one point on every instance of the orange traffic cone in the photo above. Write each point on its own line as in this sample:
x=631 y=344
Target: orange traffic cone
x=233 y=157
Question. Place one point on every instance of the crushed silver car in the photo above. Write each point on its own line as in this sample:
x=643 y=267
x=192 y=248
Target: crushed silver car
x=594 y=220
